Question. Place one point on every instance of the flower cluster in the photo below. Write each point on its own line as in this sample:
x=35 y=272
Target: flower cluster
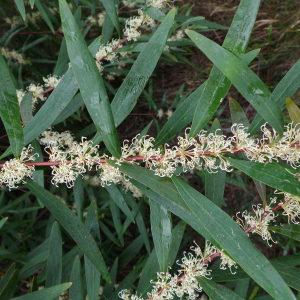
x=13 y=56
x=38 y=91
x=261 y=217
x=158 y=3
x=193 y=265
x=97 y=20
x=31 y=18
x=132 y=31
x=258 y=222
x=14 y=171
x=207 y=151
x=161 y=113
x=179 y=35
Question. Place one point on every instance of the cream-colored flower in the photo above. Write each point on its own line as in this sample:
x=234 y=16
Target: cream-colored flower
x=15 y=171
x=258 y=222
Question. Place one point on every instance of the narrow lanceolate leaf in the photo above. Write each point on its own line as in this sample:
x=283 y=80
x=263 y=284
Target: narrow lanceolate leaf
x=273 y=174
x=287 y=87
x=92 y=275
x=294 y=110
x=44 y=13
x=289 y=230
x=90 y=82
x=111 y=10
x=2 y=222
x=242 y=77
x=203 y=215
x=73 y=226
x=135 y=81
x=21 y=8
x=8 y=282
x=217 y=85
x=218 y=292
x=185 y=111
x=161 y=229
x=237 y=113
x=47 y=293
x=54 y=261
x=9 y=109
x=76 y=290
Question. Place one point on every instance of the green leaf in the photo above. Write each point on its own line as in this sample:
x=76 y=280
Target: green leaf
x=242 y=77
x=70 y=109
x=2 y=222
x=111 y=10
x=8 y=282
x=62 y=62
x=92 y=275
x=289 y=273
x=287 y=87
x=76 y=290
x=161 y=229
x=73 y=226
x=54 y=261
x=90 y=82
x=31 y=2
x=21 y=8
x=217 y=85
x=211 y=222
x=135 y=81
x=293 y=110
x=185 y=111
x=237 y=113
x=45 y=14
x=48 y=293
x=216 y=291
x=272 y=174
x=9 y=109
x=149 y=271
x=119 y=200
x=289 y=230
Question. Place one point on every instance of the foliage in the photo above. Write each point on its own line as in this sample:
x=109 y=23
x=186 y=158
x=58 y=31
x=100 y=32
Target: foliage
x=93 y=207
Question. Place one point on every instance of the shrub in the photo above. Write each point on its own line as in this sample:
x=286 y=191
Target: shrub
x=97 y=204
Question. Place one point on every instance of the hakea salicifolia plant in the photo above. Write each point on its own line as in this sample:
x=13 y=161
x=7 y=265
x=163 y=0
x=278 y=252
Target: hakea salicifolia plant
x=207 y=151
x=111 y=52
x=195 y=263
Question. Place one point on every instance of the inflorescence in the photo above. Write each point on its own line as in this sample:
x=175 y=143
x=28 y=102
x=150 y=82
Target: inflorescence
x=195 y=263
x=207 y=151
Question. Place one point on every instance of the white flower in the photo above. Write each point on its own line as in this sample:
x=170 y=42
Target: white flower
x=53 y=138
x=158 y=3
x=13 y=55
x=15 y=171
x=169 y=113
x=37 y=92
x=258 y=222
x=51 y=81
x=291 y=208
x=227 y=263
x=20 y=95
x=160 y=113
